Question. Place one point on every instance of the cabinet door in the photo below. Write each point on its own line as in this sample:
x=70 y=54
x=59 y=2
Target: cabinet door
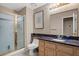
x=49 y=52
x=41 y=47
x=49 y=48
x=76 y=52
x=64 y=50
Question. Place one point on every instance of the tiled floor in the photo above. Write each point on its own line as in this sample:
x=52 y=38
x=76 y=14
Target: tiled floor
x=20 y=52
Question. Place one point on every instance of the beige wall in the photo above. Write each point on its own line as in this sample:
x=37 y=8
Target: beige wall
x=22 y=11
x=53 y=22
x=7 y=10
x=46 y=20
x=28 y=25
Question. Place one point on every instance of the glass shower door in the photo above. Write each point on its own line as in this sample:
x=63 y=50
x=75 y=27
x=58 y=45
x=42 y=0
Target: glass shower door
x=6 y=33
x=20 y=32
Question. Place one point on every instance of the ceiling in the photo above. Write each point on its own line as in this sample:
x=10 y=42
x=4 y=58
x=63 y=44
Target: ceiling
x=35 y=5
x=14 y=6
x=19 y=6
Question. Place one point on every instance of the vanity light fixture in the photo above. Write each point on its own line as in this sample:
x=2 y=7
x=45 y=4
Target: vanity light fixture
x=56 y=5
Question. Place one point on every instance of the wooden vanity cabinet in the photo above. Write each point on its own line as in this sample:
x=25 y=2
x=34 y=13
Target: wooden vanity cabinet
x=47 y=48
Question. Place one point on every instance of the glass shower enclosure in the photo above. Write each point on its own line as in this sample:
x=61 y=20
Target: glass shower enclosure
x=6 y=33
x=20 y=32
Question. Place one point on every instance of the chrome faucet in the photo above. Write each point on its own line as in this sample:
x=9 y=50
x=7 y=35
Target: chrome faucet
x=59 y=37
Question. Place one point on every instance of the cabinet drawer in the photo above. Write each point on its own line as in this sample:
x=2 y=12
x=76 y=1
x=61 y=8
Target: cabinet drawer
x=65 y=48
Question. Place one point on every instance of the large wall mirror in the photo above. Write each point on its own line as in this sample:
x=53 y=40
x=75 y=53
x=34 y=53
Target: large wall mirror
x=64 y=23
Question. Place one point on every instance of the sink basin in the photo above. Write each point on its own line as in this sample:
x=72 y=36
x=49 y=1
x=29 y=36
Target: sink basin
x=58 y=40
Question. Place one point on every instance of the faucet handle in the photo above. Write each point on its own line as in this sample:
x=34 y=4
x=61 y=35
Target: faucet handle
x=60 y=36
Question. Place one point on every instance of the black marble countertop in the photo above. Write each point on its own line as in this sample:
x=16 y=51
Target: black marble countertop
x=69 y=40
x=62 y=41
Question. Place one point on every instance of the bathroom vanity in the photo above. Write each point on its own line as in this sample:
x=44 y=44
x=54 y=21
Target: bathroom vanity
x=62 y=32
x=57 y=49
x=53 y=45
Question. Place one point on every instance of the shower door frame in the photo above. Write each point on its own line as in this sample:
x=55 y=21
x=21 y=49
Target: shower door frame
x=23 y=29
